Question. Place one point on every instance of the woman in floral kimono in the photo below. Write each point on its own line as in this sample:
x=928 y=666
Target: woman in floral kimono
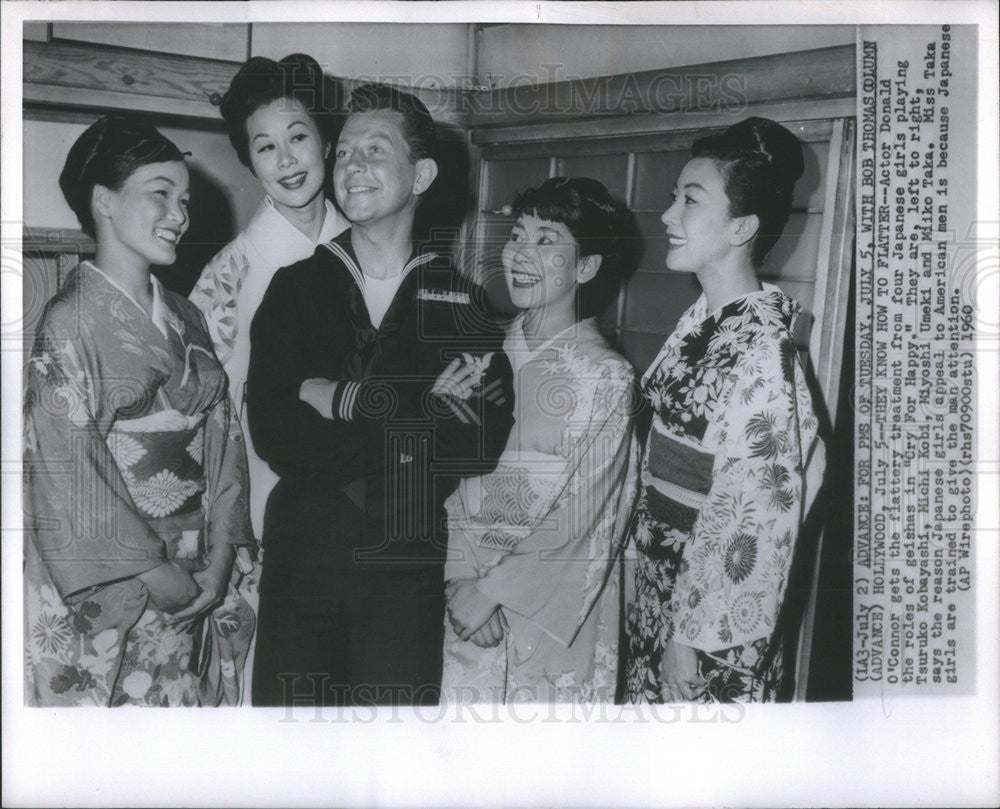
x=134 y=463
x=733 y=459
x=276 y=113
x=534 y=546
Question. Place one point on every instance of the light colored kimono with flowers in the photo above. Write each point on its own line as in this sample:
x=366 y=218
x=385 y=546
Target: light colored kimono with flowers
x=542 y=532
x=132 y=457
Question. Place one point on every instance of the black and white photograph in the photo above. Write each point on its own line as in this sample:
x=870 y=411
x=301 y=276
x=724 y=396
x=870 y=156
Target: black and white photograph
x=500 y=404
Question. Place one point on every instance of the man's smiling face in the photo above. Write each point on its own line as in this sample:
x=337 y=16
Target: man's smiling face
x=374 y=177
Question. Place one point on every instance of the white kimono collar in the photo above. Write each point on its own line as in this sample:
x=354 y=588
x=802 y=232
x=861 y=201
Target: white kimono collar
x=277 y=238
x=515 y=345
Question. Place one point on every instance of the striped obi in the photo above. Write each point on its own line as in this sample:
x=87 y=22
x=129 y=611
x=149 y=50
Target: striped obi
x=676 y=475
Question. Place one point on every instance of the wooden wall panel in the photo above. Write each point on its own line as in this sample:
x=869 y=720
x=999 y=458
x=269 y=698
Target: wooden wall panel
x=651 y=250
x=795 y=254
x=98 y=77
x=641 y=349
x=229 y=41
x=655 y=300
x=612 y=170
x=729 y=86
x=655 y=175
x=508 y=178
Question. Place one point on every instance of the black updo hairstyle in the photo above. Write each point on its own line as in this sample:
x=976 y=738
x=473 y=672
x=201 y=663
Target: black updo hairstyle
x=261 y=81
x=589 y=213
x=107 y=153
x=759 y=161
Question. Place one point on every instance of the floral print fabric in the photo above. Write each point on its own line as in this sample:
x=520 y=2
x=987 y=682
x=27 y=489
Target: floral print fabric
x=732 y=464
x=542 y=533
x=132 y=457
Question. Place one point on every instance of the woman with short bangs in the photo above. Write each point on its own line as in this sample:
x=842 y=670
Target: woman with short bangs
x=135 y=469
x=733 y=459
x=534 y=546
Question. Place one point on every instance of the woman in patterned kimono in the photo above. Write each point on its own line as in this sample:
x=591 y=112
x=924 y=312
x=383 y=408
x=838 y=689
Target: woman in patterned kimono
x=134 y=463
x=733 y=459
x=276 y=116
x=276 y=113
x=534 y=546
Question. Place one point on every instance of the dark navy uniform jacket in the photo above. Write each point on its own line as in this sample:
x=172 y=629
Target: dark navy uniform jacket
x=363 y=487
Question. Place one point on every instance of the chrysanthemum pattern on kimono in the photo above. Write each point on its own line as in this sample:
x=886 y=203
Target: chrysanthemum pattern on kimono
x=732 y=462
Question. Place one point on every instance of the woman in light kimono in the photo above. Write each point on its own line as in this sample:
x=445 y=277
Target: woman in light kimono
x=733 y=459
x=277 y=116
x=534 y=546
x=135 y=469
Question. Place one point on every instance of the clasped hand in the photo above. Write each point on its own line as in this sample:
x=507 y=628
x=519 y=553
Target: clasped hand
x=474 y=616
x=679 y=670
x=187 y=589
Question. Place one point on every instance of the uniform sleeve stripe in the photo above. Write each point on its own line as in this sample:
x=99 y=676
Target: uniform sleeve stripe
x=348 y=400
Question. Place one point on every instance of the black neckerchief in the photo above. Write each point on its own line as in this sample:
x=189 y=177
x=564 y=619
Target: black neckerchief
x=370 y=343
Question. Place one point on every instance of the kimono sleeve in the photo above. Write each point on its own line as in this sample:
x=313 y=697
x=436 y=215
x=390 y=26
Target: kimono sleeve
x=216 y=294
x=79 y=512
x=227 y=500
x=555 y=574
x=735 y=564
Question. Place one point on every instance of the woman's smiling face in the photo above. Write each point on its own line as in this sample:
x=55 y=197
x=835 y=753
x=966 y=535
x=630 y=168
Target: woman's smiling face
x=698 y=221
x=149 y=213
x=540 y=262
x=287 y=152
